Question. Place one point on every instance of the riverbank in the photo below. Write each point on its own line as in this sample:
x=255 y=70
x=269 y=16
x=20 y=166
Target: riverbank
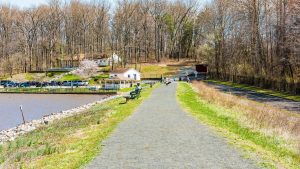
x=13 y=133
x=69 y=142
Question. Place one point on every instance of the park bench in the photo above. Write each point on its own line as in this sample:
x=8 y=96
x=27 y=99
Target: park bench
x=133 y=95
x=168 y=82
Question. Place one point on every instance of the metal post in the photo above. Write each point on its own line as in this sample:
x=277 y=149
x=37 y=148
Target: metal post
x=21 y=108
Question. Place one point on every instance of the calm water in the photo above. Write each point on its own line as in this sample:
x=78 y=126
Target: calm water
x=36 y=106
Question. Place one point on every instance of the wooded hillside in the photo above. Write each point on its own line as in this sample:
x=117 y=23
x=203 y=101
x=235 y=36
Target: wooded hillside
x=251 y=38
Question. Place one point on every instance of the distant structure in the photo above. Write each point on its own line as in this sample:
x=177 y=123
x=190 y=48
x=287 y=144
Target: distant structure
x=69 y=61
x=125 y=74
x=202 y=68
x=108 y=61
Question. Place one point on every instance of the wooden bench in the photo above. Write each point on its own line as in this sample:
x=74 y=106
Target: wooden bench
x=133 y=95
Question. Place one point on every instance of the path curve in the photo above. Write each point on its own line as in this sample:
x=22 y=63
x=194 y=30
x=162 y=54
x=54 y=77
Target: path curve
x=160 y=135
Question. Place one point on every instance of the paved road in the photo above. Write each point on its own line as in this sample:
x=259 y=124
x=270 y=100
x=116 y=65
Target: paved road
x=282 y=103
x=160 y=135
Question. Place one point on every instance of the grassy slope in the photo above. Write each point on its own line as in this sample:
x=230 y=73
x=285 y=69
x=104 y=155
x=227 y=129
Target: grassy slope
x=155 y=69
x=70 y=77
x=271 y=149
x=71 y=142
x=259 y=90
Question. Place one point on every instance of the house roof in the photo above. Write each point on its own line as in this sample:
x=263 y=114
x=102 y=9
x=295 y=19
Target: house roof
x=122 y=70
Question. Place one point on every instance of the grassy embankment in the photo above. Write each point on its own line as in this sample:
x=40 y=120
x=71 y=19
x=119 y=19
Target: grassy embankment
x=70 y=142
x=258 y=90
x=265 y=132
x=156 y=70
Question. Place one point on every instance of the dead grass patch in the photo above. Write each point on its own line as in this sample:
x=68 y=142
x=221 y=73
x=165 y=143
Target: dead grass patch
x=260 y=117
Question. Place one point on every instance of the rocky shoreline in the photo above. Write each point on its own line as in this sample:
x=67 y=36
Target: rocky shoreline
x=13 y=133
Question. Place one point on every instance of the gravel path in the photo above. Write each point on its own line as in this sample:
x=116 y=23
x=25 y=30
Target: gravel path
x=160 y=135
x=281 y=103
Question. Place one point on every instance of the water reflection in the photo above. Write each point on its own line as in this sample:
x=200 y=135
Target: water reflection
x=36 y=106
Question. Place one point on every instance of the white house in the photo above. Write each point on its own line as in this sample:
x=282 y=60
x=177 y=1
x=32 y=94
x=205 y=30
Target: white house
x=125 y=74
x=102 y=62
x=114 y=59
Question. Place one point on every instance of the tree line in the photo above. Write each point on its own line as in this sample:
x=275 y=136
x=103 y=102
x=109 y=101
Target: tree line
x=254 y=41
x=258 y=38
x=137 y=30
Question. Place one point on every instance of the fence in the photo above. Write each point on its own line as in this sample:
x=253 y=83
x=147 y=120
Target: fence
x=278 y=85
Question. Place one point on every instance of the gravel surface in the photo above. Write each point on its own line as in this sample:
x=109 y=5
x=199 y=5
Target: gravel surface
x=160 y=135
x=281 y=103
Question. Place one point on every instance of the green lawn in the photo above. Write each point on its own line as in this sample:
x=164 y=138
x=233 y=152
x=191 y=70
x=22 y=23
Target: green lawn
x=258 y=90
x=271 y=149
x=156 y=70
x=96 y=78
x=71 y=142
x=70 y=77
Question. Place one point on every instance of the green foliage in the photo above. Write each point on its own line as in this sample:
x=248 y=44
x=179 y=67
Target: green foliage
x=211 y=114
x=106 y=69
x=29 y=77
x=169 y=21
x=187 y=36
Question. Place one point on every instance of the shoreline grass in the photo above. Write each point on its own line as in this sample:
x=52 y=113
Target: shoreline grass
x=258 y=90
x=71 y=142
x=273 y=150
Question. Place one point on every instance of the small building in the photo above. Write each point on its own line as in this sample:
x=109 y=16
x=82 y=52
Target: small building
x=202 y=68
x=114 y=59
x=102 y=62
x=117 y=83
x=108 y=61
x=130 y=74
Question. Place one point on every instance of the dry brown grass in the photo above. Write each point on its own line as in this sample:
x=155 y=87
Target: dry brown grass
x=261 y=117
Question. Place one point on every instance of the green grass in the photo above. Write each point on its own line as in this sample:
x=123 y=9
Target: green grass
x=271 y=149
x=95 y=79
x=129 y=89
x=29 y=77
x=157 y=70
x=71 y=142
x=259 y=90
x=53 y=74
x=3 y=77
x=70 y=77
